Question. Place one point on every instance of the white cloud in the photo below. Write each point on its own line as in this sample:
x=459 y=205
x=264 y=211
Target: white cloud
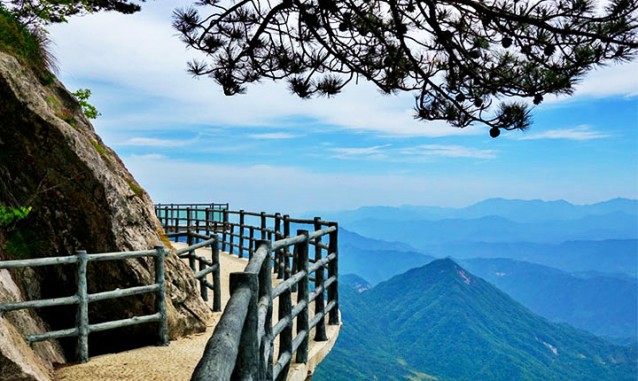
x=449 y=151
x=613 y=79
x=377 y=152
x=152 y=142
x=290 y=189
x=273 y=136
x=413 y=153
x=576 y=133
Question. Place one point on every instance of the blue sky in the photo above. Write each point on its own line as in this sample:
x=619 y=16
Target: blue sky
x=267 y=150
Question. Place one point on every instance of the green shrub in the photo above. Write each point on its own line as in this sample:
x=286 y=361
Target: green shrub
x=28 y=46
x=83 y=95
x=9 y=216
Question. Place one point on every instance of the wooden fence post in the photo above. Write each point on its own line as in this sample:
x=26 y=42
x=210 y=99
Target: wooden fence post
x=333 y=270
x=203 y=289
x=224 y=223
x=247 y=364
x=285 y=337
x=241 y=233
x=208 y=219
x=175 y=215
x=278 y=236
x=320 y=328
x=160 y=299
x=302 y=296
x=263 y=225
x=166 y=219
x=82 y=317
x=266 y=347
x=286 y=262
x=191 y=260
x=217 y=293
x=251 y=240
x=231 y=239
x=189 y=238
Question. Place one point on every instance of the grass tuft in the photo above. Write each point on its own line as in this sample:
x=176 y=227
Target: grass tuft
x=29 y=46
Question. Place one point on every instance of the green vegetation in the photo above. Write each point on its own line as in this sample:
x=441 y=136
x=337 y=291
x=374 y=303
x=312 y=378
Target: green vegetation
x=101 y=150
x=22 y=244
x=135 y=188
x=19 y=242
x=38 y=13
x=60 y=111
x=443 y=322
x=27 y=45
x=9 y=216
x=83 y=95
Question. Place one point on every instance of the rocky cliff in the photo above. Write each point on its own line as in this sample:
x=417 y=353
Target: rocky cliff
x=82 y=197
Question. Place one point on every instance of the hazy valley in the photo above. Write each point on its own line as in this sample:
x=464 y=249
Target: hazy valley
x=515 y=302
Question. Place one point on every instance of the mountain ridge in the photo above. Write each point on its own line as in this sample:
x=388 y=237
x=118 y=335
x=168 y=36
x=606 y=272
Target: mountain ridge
x=445 y=322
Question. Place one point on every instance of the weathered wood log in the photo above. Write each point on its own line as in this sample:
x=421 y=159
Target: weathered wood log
x=135 y=320
x=117 y=293
x=220 y=354
x=37 y=262
x=82 y=317
x=247 y=363
x=195 y=247
x=6 y=307
x=333 y=271
x=241 y=233
x=302 y=297
x=287 y=284
x=280 y=371
x=160 y=299
x=266 y=347
x=320 y=331
x=201 y=275
x=217 y=293
x=52 y=335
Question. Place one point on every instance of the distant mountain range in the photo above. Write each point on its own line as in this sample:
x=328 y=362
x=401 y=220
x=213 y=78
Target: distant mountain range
x=497 y=229
x=376 y=260
x=440 y=322
x=613 y=256
x=583 y=295
x=522 y=211
x=604 y=305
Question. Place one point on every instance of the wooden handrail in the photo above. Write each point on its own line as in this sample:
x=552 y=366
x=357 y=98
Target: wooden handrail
x=82 y=298
x=241 y=345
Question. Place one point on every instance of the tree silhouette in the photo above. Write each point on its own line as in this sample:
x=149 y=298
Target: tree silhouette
x=466 y=61
x=36 y=13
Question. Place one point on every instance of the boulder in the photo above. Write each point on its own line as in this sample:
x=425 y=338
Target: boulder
x=82 y=197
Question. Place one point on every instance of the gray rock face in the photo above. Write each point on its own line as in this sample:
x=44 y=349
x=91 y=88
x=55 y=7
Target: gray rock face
x=82 y=197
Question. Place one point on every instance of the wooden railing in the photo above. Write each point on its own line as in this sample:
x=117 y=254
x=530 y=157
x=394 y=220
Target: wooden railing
x=82 y=298
x=202 y=266
x=174 y=217
x=242 y=346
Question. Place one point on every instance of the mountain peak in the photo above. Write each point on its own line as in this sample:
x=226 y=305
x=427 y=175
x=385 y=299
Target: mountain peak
x=448 y=267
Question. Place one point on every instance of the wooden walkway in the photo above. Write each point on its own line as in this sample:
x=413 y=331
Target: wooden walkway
x=177 y=361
